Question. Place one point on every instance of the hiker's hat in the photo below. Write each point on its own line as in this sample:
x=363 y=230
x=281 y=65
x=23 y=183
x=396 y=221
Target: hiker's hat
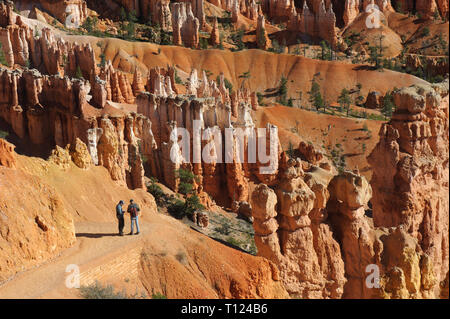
x=121 y=202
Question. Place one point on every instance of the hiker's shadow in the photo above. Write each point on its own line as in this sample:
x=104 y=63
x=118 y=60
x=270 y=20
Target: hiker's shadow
x=98 y=235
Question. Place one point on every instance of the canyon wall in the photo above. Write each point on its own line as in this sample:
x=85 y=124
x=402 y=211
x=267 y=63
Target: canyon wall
x=290 y=230
x=319 y=23
x=223 y=177
x=34 y=224
x=50 y=110
x=185 y=25
x=410 y=166
x=319 y=228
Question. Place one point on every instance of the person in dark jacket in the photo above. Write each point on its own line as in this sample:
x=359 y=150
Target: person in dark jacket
x=134 y=210
x=120 y=217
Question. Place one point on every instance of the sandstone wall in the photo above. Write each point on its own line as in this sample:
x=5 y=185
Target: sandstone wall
x=50 y=110
x=410 y=180
x=34 y=224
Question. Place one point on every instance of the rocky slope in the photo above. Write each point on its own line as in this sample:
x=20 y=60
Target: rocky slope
x=35 y=225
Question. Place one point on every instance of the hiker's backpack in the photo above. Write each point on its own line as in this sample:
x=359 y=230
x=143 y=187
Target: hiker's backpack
x=133 y=211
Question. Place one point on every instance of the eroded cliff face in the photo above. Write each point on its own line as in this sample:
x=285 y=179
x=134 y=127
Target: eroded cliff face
x=314 y=217
x=50 y=110
x=185 y=25
x=7 y=158
x=290 y=230
x=71 y=13
x=317 y=22
x=410 y=180
x=261 y=34
x=205 y=112
x=34 y=224
x=402 y=268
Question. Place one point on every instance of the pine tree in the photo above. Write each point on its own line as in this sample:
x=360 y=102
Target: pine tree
x=315 y=97
x=2 y=56
x=282 y=91
x=344 y=100
x=388 y=105
x=78 y=73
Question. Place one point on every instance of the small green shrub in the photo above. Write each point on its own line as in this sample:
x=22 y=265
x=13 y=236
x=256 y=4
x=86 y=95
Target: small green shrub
x=158 y=295
x=234 y=242
x=98 y=291
x=176 y=209
x=157 y=192
x=224 y=229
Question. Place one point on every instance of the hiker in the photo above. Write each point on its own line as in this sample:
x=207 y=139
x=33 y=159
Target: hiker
x=134 y=210
x=120 y=217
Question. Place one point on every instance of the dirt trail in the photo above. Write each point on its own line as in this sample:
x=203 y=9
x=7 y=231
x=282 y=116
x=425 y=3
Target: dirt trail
x=97 y=246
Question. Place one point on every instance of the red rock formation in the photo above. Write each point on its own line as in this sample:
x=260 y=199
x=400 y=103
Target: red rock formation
x=55 y=110
x=16 y=46
x=351 y=11
x=426 y=8
x=47 y=53
x=159 y=11
x=349 y=195
x=319 y=23
x=214 y=39
x=52 y=55
x=201 y=219
x=289 y=230
x=261 y=34
x=6 y=14
x=430 y=64
x=212 y=106
x=308 y=152
x=443 y=6
x=7 y=157
x=280 y=9
x=63 y=58
x=161 y=82
x=42 y=226
x=118 y=88
x=374 y=100
x=199 y=13
x=80 y=154
x=185 y=25
x=410 y=165
x=71 y=13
